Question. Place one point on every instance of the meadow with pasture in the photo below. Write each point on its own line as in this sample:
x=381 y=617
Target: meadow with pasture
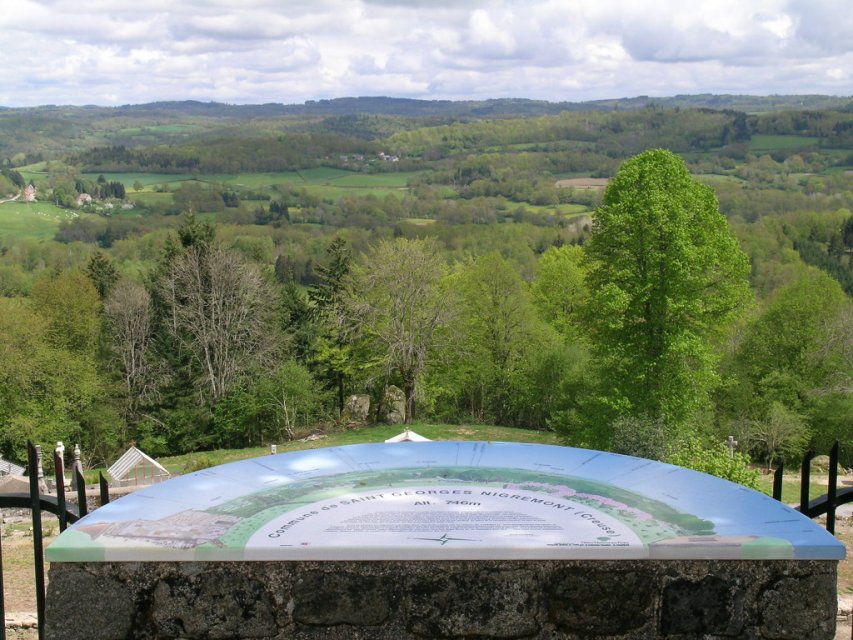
x=37 y=220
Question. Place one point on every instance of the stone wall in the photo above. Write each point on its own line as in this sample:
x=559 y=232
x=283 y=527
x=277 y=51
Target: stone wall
x=775 y=600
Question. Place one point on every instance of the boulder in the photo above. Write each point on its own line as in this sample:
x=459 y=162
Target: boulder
x=356 y=411
x=392 y=410
x=820 y=464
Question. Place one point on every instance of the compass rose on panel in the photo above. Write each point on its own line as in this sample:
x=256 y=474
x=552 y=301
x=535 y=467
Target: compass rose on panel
x=443 y=540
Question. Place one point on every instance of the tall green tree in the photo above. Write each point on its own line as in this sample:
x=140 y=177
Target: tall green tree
x=794 y=365
x=212 y=324
x=396 y=299
x=496 y=329
x=334 y=347
x=270 y=407
x=326 y=293
x=102 y=272
x=49 y=385
x=559 y=290
x=71 y=306
x=665 y=275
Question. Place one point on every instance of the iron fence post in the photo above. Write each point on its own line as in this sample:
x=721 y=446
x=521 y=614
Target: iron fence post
x=832 y=489
x=82 y=505
x=805 y=475
x=59 y=470
x=105 y=488
x=38 y=546
x=777 y=482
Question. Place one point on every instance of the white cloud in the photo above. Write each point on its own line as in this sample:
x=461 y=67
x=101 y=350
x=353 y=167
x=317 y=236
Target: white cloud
x=267 y=50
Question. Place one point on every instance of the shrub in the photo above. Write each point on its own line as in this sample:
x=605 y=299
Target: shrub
x=717 y=461
x=642 y=437
x=199 y=462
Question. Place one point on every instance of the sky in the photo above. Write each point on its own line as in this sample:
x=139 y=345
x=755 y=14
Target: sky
x=114 y=52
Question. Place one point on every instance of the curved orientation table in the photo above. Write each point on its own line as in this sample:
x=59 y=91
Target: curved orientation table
x=444 y=501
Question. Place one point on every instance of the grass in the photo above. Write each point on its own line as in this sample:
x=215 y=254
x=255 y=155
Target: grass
x=791 y=487
x=374 y=180
x=150 y=197
x=259 y=181
x=18 y=581
x=323 y=182
x=38 y=220
x=146 y=179
x=334 y=192
x=765 y=142
x=567 y=210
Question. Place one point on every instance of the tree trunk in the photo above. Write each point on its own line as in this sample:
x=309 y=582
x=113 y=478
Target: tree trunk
x=409 y=391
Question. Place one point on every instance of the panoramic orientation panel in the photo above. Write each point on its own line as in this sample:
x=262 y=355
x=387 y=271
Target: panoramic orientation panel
x=444 y=500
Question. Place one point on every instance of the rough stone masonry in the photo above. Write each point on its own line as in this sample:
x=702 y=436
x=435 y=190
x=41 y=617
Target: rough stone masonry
x=572 y=599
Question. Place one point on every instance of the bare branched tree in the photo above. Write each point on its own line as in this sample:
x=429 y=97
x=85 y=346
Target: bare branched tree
x=219 y=308
x=129 y=316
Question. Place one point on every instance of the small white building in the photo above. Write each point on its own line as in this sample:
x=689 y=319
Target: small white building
x=137 y=469
x=10 y=468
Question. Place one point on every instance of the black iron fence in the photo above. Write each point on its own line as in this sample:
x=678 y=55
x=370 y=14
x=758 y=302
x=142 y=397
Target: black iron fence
x=826 y=504
x=37 y=503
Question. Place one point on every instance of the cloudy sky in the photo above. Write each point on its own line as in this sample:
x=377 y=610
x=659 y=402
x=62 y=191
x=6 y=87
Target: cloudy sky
x=111 y=52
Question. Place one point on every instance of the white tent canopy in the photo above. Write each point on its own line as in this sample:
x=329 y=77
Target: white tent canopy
x=408 y=436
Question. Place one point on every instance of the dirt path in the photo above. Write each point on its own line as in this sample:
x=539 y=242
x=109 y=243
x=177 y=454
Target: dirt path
x=18 y=581
x=10 y=199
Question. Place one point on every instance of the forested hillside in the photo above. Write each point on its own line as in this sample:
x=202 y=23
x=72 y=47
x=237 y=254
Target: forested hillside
x=643 y=276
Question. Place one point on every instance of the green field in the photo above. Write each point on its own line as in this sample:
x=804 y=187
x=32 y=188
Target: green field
x=324 y=182
x=567 y=175
x=324 y=174
x=362 y=180
x=150 y=197
x=762 y=142
x=332 y=191
x=146 y=179
x=37 y=220
x=260 y=181
x=567 y=210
